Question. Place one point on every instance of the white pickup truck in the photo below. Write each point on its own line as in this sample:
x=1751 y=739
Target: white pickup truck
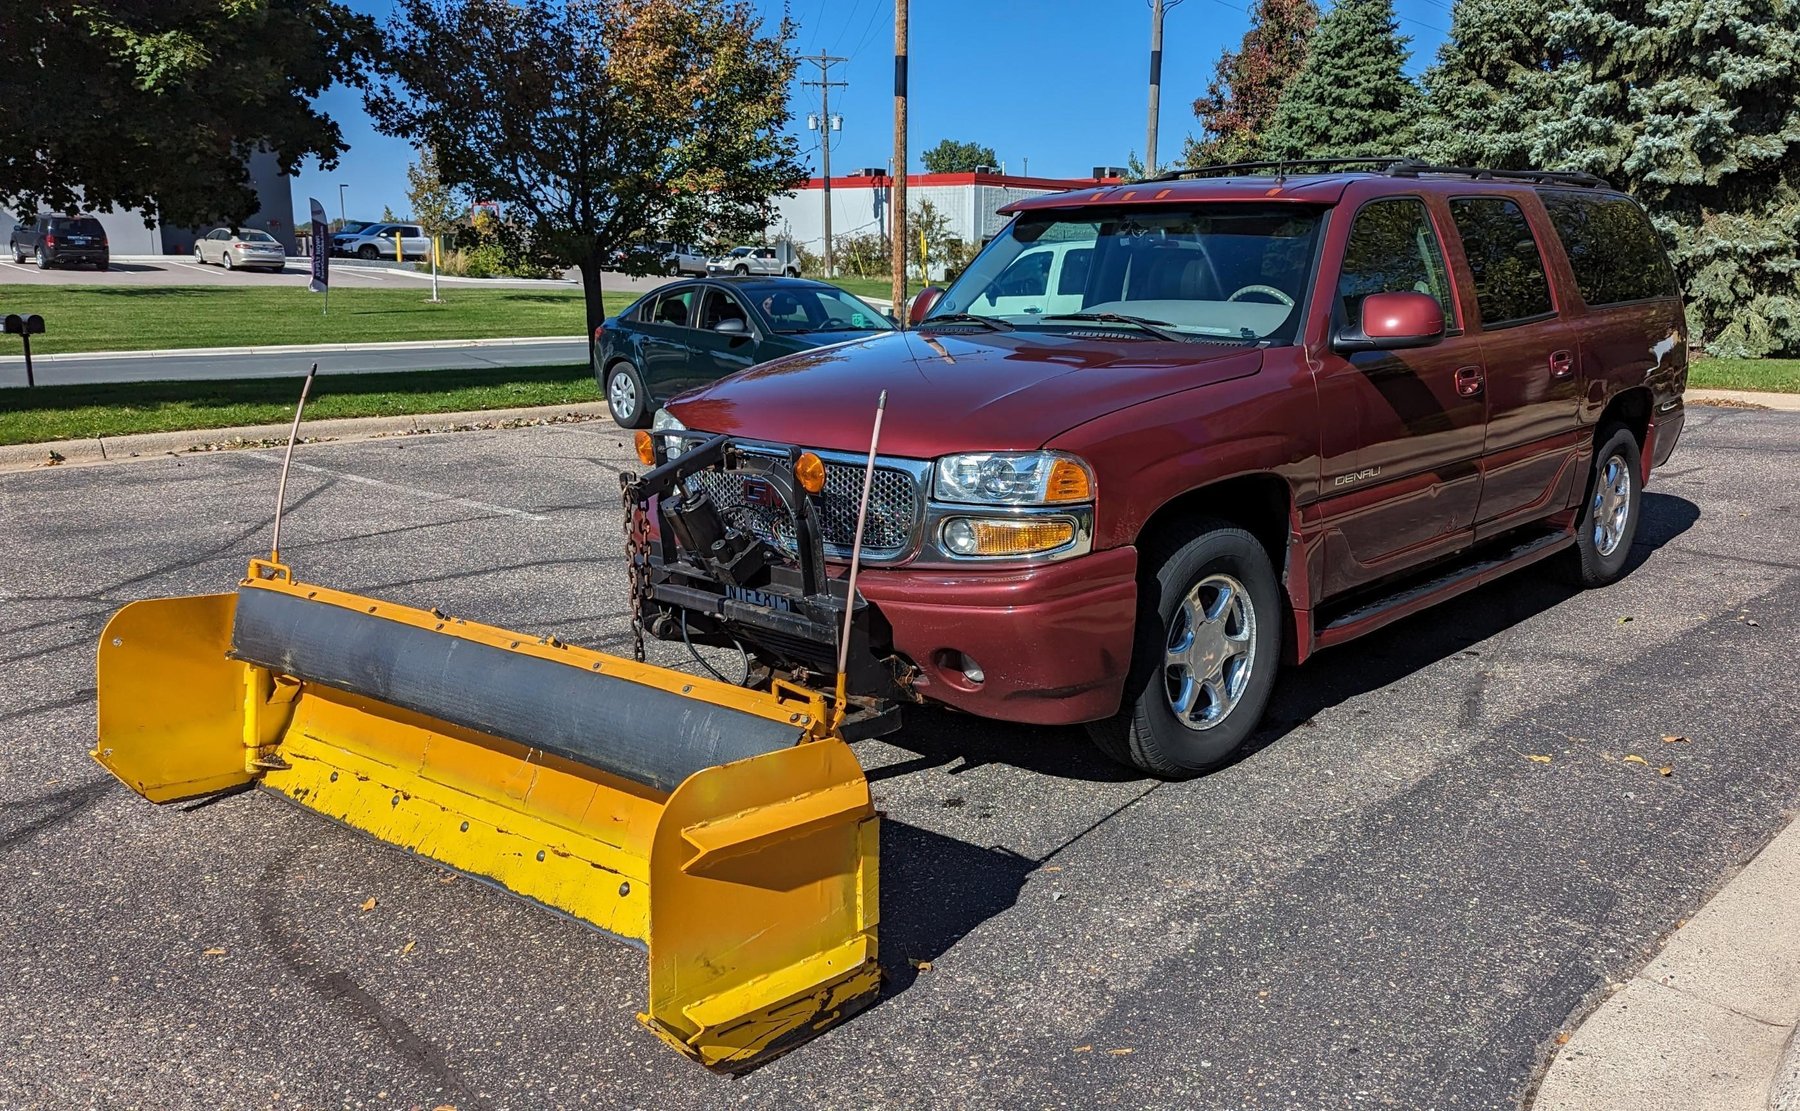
x=756 y=260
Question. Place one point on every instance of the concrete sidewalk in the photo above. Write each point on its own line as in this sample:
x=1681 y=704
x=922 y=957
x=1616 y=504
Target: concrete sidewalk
x=1709 y=1024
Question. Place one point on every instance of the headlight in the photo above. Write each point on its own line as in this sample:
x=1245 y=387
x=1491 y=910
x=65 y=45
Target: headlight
x=665 y=421
x=1013 y=478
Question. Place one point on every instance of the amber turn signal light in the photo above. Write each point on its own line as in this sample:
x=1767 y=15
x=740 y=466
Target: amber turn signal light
x=809 y=471
x=1068 y=481
x=646 y=448
x=979 y=536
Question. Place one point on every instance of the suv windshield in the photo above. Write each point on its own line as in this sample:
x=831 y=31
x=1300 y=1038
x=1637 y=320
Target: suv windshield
x=1232 y=270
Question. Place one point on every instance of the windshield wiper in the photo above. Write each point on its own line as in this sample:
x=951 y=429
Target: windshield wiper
x=1157 y=328
x=993 y=322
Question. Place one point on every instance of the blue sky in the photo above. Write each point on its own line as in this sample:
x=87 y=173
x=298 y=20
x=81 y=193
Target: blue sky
x=1056 y=85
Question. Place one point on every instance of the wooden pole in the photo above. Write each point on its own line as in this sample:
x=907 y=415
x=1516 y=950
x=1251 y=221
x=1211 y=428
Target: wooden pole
x=897 y=203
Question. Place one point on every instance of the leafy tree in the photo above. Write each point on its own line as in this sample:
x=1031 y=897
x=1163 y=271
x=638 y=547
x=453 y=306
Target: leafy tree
x=158 y=105
x=1490 y=89
x=593 y=120
x=1693 y=108
x=387 y=214
x=1352 y=96
x=926 y=226
x=952 y=157
x=1246 y=88
x=439 y=208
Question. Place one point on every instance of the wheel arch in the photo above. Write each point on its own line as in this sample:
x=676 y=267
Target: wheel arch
x=1260 y=503
x=1629 y=407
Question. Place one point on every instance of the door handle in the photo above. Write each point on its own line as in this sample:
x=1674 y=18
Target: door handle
x=1470 y=380
x=1562 y=364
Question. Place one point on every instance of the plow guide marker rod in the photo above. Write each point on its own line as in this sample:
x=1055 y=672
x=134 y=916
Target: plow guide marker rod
x=287 y=459
x=862 y=516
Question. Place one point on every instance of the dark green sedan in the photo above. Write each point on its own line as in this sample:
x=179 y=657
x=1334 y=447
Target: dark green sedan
x=686 y=334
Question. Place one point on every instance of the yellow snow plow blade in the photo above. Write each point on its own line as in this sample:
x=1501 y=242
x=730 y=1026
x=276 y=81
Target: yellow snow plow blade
x=727 y=831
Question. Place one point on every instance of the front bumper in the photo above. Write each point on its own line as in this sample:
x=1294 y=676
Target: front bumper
x=1053 y=642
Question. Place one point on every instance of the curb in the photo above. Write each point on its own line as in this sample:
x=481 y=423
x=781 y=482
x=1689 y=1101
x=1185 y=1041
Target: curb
x=146 y=445
x=1749 y=399
x=295 y=349
x=1709 y=1021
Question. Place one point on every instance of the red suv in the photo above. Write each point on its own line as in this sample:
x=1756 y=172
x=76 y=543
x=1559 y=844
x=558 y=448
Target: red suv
x=1161 y=437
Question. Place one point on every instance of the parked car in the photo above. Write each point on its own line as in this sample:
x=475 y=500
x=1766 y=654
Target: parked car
x=688 y=333
x=57 y=240
x=679 y=259
x=377 y=241
x=744 y=261
x=249 y=248
x=1157 y=441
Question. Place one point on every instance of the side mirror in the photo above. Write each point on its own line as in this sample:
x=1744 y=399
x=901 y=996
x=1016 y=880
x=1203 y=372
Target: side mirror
x=922 y=303
x=1394 y=321
x=731 y=326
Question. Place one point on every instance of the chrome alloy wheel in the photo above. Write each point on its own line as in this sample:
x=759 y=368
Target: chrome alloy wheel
x=1612 y=505
x=622 y=395
x=1211 y=650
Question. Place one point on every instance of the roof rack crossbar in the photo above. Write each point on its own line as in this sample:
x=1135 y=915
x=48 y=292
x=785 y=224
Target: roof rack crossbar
x=1391 y=165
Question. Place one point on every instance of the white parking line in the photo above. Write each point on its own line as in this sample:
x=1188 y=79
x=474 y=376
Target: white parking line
x=410 y=491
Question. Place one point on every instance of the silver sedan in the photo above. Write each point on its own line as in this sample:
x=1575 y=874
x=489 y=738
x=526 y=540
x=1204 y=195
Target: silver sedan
x=248 y=248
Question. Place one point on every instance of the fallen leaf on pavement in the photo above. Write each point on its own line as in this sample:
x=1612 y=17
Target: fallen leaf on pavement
x=1562 y=1039
x=408 y=947
x=215 y=952
x=1121 y=1052
x=1084 y=1049
x=1626 y=620
x=369 y=903
x=1536 y=759
x=922 y=966
x=1674 y=739
x=1665 y=770
x=1634 y=758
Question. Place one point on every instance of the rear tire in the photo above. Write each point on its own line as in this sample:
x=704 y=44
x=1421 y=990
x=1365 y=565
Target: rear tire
x=43 y=259
x=1208 y=646
x=793 y=271
x=627 y=397
x=225 y=260
x=1609 y=515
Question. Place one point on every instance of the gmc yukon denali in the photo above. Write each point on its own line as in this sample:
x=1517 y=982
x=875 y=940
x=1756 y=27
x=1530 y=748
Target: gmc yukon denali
x=1161 y=438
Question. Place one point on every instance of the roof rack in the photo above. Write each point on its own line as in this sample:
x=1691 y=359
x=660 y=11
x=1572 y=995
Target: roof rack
x=1391 y=165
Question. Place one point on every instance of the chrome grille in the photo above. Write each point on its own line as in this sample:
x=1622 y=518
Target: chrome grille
x=893 y=509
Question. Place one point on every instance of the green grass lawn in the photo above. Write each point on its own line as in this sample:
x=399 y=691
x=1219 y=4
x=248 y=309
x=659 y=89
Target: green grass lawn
x=78 y=412
x=141 y=318
x=880 y=289
x=1773 y=375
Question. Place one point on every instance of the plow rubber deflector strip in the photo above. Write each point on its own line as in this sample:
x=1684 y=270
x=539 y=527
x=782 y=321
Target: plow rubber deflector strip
x=752 y=880
x=645 y=734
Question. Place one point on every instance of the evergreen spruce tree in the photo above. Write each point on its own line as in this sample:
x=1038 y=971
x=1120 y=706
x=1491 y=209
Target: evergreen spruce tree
x=1490 y=89
x=1352 y=96
x=1247 y=85
x=1694 y=106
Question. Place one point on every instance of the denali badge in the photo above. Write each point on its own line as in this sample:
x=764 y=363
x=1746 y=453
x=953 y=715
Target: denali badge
x=776 y=602
x=1367 y=472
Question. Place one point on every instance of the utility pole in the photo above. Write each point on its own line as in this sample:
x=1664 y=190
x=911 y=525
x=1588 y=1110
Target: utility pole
x=1157 y=8
x=897 y=204
x=825 y=84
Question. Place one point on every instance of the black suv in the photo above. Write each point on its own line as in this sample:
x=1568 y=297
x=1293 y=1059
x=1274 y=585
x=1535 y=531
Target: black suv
x=54 y=240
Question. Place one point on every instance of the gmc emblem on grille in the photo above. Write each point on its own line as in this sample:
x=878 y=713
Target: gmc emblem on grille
x=759 y=492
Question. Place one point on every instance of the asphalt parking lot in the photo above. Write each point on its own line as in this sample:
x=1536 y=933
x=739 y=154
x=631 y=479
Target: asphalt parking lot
x=1386 y=903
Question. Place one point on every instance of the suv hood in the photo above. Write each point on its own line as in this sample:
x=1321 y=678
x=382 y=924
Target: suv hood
x=951 y=391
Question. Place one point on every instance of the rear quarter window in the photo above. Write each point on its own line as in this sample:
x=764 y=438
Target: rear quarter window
x=1510 y=285
x=1612 y=248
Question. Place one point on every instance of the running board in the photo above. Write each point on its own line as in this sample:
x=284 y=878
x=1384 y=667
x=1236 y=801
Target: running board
x=1439 y=584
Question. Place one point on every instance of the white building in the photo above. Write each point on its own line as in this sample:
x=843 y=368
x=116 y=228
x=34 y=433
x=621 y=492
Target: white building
x=860 y=203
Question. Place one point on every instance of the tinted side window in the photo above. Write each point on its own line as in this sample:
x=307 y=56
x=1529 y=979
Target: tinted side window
x=1073 y=278
x=1611 y=247
x=721 y=306
x=1509 y=272
x=1392 y=249
x=674 y=307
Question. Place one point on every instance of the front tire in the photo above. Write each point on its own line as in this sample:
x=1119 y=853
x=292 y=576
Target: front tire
x=367 y=252
x=741 y=271
x=1609 y=516
x=793 y=271
x=18 y=254
x=1208 y=647
x=627 y=397
x=199 y=256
